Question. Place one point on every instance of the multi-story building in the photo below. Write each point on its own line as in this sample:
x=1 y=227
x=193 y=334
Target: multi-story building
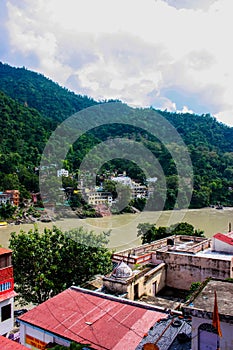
x=7 y=293
x=174 y=262
x=14 y=196
x=97 y=197
x=62 y=172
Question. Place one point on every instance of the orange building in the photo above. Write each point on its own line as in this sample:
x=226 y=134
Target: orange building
x=14 y=195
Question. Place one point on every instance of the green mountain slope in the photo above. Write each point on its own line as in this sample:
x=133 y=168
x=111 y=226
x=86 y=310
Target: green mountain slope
x=36 y=91
x=24 y=133
x=26 y=130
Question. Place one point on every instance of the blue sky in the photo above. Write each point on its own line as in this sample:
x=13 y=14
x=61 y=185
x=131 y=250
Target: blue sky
x=170 y=54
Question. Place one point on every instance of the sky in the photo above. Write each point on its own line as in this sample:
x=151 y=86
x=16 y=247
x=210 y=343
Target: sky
x=169 y=54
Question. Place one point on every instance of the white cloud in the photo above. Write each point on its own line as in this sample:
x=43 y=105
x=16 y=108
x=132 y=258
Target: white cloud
x=143 y=52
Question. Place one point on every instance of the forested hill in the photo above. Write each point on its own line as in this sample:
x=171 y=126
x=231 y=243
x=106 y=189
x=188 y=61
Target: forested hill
x=24 y=134
x=36 y=91
x=202 y=130
x=31 y=106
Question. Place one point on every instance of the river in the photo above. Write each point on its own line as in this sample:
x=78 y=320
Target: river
x=124 y=227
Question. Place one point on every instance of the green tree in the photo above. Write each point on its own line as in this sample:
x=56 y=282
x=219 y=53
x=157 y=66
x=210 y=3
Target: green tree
x=184 y=228
x=149 y=232
x=46 y=263
x=7 y=210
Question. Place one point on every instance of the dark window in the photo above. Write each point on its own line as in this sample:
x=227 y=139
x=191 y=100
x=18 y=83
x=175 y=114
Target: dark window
x=6 y=312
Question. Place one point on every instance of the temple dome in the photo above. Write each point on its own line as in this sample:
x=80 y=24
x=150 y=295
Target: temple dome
x=122 y=270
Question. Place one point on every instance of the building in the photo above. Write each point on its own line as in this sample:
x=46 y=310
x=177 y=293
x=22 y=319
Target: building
x=9 y=196
x=201 y=309
x=175 y=262
x=137 y=190
x=62 y=172
x=14 y=196
x=133 y=284
x=7 y=293
x=103 y=321
x=223 y=243
x=98 y=197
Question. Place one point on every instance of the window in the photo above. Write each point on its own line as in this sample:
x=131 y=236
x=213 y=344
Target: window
x=6 y=312
x=5 y=286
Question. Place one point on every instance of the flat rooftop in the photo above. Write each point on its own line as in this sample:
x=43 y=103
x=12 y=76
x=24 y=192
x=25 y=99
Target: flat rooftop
x=205 y=299
x=208 y=253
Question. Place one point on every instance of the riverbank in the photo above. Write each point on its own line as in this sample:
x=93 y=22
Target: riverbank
x=124 y=227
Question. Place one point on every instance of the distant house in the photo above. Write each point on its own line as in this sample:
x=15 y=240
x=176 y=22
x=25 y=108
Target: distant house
x=62 y=172
x=97 y=197
x=9 y=196
x=137 y=190
x=14 y=196
x=4 y=198
x=7 y=293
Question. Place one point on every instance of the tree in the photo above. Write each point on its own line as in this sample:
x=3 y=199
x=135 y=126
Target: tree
x=7 y=210
x=46 y=263
x=150 y=233
x=184 y=228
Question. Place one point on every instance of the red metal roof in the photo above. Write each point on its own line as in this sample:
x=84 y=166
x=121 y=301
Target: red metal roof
x=103 y=321
x=7 y=295
x=224 y=238
x=4 y=250
x=8 y=344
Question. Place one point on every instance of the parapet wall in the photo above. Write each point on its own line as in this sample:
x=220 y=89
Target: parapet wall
x=183 y=270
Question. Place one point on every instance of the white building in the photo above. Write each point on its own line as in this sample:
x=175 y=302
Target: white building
x=223 y=243
x=62 y=172
x=95 y=197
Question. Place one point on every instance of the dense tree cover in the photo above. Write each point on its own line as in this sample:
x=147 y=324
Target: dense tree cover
x=149 y=232
x=48 y=262
x=26 y=130
x=24 y=133
x=36 y=91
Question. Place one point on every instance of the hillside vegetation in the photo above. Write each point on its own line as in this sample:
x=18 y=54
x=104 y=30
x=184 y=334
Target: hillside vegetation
x=31 y=106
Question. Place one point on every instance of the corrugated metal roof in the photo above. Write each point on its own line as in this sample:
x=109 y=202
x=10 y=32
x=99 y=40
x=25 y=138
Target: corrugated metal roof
x=4 y=250
x=8 y=295
x=224 y=238
x=103 y=321
x=8 y=344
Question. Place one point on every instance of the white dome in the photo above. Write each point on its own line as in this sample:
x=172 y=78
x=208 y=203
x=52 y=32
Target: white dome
x=122 y=271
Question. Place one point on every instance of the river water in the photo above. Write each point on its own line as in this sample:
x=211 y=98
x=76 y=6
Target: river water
x=124 y=227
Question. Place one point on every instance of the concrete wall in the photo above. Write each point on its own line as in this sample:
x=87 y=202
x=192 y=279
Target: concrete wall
x=38 y=335
x=220 y=246
x=7 y=325
x=115 y=286
x=148 y=283
x=226 y=341
x=183 y=270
